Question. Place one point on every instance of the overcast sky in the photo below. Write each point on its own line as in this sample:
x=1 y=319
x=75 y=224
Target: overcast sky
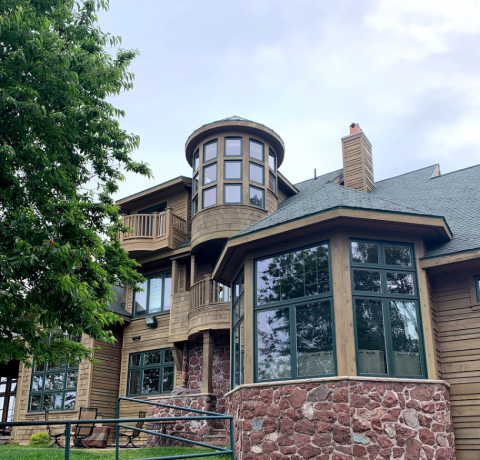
x=407 y=71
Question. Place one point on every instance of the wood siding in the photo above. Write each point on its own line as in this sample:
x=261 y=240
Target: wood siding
x=357 y=162
x=458 y=321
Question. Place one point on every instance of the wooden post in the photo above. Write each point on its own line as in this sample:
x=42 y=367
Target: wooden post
x=169 y=227
x=207 y=376
x=208 y=289
x=193 y=270
x=175 y=276
x=155 y=231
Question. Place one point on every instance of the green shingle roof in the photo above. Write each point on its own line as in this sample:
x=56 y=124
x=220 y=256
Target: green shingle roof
x=454 y=196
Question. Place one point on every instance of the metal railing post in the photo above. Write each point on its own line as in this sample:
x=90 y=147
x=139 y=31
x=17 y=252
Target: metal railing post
x=117 y=440
x=232 y=440
x=68 y=427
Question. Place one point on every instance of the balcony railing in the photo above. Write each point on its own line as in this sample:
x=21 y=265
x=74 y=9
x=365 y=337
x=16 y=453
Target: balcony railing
x=207 y=292
x=153 y=231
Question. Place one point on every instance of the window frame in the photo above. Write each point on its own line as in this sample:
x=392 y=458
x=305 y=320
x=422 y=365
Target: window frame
x=225 y=169
x=147 y=312
x=204 y=169
x=262 y=167
x=272 y=174
x=292 y=304
x=272 y=154
x=385 y=297
x=142 y=367
x=249 y=198
x=476 y=280
x=263 y=150
x=229 y=184
x=196 y=159
x=212 y=141
x=236 y=325
x=225 y=146
x=203 y=197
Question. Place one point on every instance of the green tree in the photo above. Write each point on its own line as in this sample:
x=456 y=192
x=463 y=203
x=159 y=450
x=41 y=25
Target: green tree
x=59 y=134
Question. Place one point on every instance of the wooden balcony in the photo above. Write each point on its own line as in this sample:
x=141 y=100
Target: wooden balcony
x=153 y=232
x=210 y=306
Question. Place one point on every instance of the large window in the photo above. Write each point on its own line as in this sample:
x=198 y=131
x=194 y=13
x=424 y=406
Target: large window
x=155 y=296
x=294 y=315
x=150 y=372
x=385 y=300
x=238 y=330
x=53 y=387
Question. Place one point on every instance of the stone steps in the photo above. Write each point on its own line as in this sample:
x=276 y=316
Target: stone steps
x=217 y=437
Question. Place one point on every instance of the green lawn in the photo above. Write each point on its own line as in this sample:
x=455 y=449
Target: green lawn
x=41 y=453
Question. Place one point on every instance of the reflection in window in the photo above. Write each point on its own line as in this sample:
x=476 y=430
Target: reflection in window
x=209 y=151
x=386 y=311
x=233 y=147
x=209 y=174
x=256 y=150
x=256 y=173
x=233 y=169
x=233 y=193
x=151 y=372
x=209 y=197
x=155 y=297
x=294 y=336
x=257 y=197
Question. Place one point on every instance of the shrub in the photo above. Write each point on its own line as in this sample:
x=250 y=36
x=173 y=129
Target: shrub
x=39 y=438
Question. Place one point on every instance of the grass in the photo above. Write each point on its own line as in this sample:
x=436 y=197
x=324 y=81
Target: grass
x=42 y=453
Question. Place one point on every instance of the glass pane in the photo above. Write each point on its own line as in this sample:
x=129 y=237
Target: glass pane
x=72 y=378
x=196 y=161
x=256 y=150
x=370 y=337
x=70 y=398
x=153 y=357
x=293 y=275
x=400 y=283
x=233 y=193
x=236 y=357
x=58 y=381
x=365 y=253
x=49 y=382
x=366 y=280
x=134 y=387
x=3 y=384
x=405 y=340
x=167 y=292
x=273 y=344
x=256 y=197
x=52 y=401
x=271 y=160
x=2 y=405
x=242 y=350
x=155 y=294
x=140 y=300
x=398 y=255
x=477 y=284
x=210 y=197
x=209 y=174
x=35 y=401
x=168 y=358
x=13 y=385
x=37 y=383
x=239 y=286
x=256 y=173
x=233 y=147
x=167 y=379
x=210 y=151
x=61 y=365
x=135 y=359
x=315 y=339
x=195 y=184
x=11 y=409
x=272 y=182
x=195 y=206
x=151 y=380
x=233 y=170
x=39 y=367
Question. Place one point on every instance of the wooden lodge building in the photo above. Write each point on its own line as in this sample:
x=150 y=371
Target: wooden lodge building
x=334 y=318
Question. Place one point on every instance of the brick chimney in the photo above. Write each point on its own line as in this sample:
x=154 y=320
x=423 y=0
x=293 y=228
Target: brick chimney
x=357 y=160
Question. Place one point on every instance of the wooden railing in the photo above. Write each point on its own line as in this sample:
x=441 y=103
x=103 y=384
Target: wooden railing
x=153 y=226
x=208 y=291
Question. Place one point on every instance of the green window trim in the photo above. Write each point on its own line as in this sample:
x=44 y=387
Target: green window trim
x=225 y=146
x=318 y=303
x=225 y=186
x=196 y=160
x=225 y=164
x=238 y=330
x=252 y=200
x=254 y=141
x=206 y=190
x=272 y=160
x=151 y=372
x=205 y=146
x=476 y=279
x=205 y=171
x=254 y=168
x=391 y=320
x=146 y=295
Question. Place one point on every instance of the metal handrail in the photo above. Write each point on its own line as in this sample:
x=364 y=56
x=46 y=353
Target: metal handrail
x=118 y=424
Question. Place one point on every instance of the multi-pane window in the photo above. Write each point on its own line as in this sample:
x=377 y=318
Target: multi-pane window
x=477 y=286
x=8 y=392
x=256 y=150
x=238 y=330
x=233 y=147
x=256 y=173
x=257 y=196
x=210 y=151
x=53 y=387
x=294 y=315
x=150 y=372
x=386 y=309
x=209 y=197
x=233 y=193
x=155 y=296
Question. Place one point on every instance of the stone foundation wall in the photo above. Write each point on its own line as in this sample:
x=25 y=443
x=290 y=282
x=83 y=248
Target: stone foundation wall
x=343 y=419
x=221 y=370
x=195 y=365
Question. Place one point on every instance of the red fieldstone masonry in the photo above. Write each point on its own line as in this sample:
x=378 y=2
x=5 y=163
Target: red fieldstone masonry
x=221 y=370
x=343 y=419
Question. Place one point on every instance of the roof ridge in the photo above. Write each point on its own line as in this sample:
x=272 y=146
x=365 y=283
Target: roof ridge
x=318 y=177
x=410 y=172
x=457 y=171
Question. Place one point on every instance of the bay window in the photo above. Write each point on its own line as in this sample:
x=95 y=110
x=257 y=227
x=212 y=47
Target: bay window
x=155 y=296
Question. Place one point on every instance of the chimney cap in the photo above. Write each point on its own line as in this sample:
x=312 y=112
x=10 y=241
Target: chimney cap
x=355 y=128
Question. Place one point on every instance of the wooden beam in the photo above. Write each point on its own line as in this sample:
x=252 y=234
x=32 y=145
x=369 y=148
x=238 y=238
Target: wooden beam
x=207 y=377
